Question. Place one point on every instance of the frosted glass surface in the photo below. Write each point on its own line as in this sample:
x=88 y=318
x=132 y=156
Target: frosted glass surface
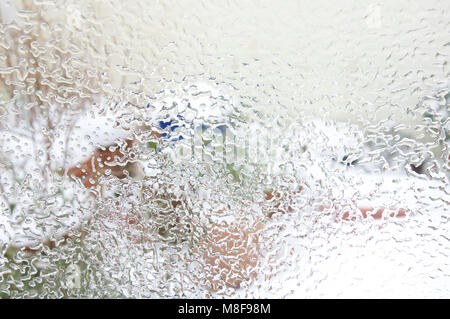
x=251 y=149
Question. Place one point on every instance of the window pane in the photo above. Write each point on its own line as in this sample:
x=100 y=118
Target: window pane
x=210 y=148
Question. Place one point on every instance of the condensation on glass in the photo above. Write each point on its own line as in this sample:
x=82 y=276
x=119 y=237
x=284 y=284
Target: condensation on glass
x=224 y=149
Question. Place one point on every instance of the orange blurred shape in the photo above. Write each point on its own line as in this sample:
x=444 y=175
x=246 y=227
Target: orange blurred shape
x=370 y=212
x=231 y=253
x=113 y=159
